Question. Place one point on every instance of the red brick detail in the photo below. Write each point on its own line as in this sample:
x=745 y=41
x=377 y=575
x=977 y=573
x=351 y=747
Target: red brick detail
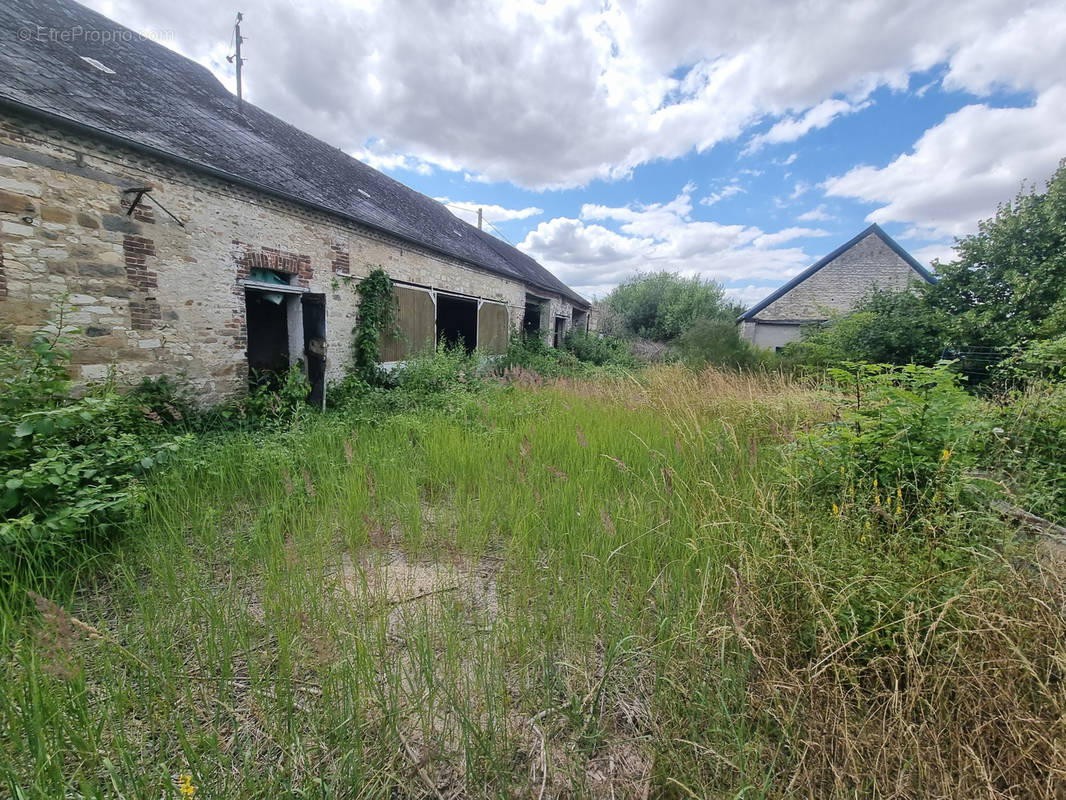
x=144 y=310
x=248 y=258
x=341 y=262
x=144 y=313
x=136 y=251
x=3 y=275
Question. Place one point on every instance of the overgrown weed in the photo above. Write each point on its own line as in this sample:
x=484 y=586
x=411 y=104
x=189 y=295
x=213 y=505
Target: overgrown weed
x=611 y=586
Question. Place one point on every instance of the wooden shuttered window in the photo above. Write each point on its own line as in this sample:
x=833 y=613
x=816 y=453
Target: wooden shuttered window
x=493 y=328
x=416 y=324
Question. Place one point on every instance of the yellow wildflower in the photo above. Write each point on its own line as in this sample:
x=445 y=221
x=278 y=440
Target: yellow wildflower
x=944 y=456
x=186 y=786
x=836 y=510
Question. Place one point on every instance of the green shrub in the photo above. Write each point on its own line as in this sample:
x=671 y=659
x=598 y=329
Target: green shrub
x=352 y=388
x=717 y=342
x=532 y=354
x=441 y=370
x=663 y=305
x=1036 y=362
x=1027 y=447
x=903 y=436
x=70 y=464
x=892 y=482
x=889 y=327
x=599 y=349
x=277 y=403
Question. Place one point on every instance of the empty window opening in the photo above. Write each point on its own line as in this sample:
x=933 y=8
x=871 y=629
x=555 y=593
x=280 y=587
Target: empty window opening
x=268 y=336
x=457 y=321
x=531 y=318
x=560 y=331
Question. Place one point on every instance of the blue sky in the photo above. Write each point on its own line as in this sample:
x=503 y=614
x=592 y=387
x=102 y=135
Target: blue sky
x=738 y=143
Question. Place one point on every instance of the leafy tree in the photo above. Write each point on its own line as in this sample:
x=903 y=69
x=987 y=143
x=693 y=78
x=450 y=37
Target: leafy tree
x=889 y=327
x=1008 y=282
x=663 y=305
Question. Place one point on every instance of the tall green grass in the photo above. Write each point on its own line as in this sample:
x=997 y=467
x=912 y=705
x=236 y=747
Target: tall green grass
x=597 y=589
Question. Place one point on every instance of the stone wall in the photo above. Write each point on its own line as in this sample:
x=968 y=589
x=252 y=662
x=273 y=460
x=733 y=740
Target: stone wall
x=151 y=296
x=832 y=290
x=836 y=287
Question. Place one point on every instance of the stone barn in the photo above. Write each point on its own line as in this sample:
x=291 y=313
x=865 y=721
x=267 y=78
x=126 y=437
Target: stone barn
x=831 y=287
x=193 y=235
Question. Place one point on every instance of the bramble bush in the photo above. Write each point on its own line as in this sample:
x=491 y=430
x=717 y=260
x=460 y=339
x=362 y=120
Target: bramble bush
x=1027 y=446
x=582 y=353
x=440 y=371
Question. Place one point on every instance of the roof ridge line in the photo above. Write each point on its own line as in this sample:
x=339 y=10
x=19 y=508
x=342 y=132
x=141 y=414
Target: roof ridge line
x=873 y=228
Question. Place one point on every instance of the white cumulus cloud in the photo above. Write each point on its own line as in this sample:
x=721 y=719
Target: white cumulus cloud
x=960 y=169
x=661 y=236
x=550 y=95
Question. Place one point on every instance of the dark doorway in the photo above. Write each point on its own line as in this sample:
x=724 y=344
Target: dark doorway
x=314 y=311
x=457 y=321
x=560 y=331
x=268 y=336
x=580 y=320
x=531 y=319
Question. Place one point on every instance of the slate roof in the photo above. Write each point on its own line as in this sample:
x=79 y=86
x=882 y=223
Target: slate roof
x=813 y=268
x=159 y=100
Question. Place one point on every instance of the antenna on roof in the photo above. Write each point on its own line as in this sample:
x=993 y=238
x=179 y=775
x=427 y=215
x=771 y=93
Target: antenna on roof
x=237 y=38
x=479 y=219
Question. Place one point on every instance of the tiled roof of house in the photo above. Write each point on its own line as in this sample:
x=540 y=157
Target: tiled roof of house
x=925 y=274
x=150 y=97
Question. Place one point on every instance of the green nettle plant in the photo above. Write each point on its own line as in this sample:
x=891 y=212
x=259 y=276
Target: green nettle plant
x=377 y=317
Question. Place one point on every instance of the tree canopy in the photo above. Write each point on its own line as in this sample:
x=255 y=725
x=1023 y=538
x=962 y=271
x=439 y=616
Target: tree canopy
x=1006 y=289
x=664 y=305
x=1007 y=285
x=892 y=327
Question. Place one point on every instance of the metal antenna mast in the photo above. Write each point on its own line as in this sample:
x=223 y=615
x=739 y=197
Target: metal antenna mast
x=236 y=58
